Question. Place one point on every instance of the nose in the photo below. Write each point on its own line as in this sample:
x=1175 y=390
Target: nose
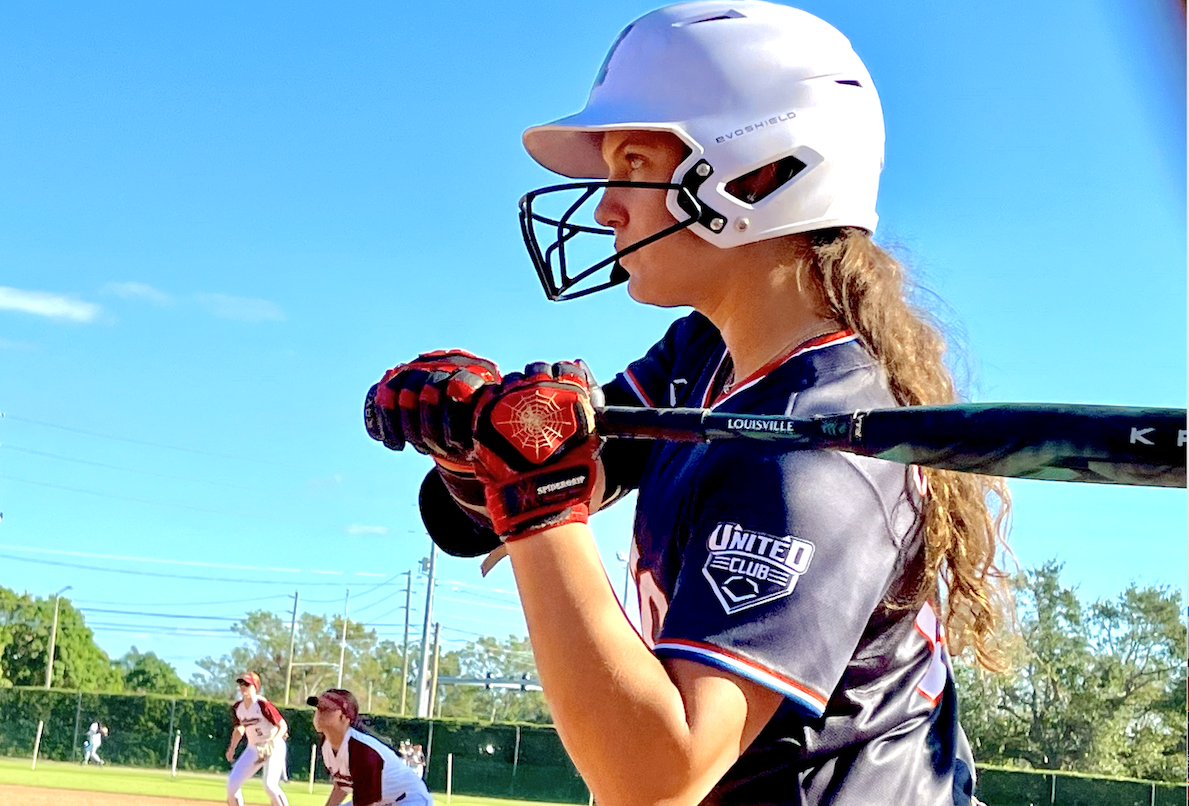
x=610 y=211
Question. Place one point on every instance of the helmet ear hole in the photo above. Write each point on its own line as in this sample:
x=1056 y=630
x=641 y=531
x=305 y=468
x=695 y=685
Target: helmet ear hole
x=755 y=185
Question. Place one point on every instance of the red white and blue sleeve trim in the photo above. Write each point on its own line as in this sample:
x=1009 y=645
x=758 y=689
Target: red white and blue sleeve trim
x=635 y=385
x=812 y=701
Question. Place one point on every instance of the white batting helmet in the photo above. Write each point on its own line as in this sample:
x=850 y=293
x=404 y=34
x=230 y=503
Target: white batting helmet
x=744 y=84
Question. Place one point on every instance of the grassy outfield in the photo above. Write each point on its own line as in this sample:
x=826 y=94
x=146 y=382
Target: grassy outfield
x=192 y=785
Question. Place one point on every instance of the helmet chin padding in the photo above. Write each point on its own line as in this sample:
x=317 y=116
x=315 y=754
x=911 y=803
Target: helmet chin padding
x=778 y=111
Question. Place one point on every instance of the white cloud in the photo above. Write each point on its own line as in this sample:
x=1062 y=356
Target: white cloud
x=360 y=529
x=43 y=303
x=143 y=291
x=9 y=344
x=325 y=482
x=242 y=309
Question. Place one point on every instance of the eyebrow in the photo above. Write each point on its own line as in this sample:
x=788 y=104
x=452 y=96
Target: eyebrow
x=632 y=140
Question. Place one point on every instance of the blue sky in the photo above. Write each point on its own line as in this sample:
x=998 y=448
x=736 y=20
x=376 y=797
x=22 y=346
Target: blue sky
x=220 y=224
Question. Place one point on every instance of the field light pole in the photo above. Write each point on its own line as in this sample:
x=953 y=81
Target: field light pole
x=49 y=663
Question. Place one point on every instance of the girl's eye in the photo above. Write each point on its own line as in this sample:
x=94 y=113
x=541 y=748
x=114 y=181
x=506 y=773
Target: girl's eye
x=635 y=161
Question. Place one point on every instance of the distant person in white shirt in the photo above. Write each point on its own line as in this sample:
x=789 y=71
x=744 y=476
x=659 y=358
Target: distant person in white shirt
x=95 y=735
x=361 y=763
x=258 y=719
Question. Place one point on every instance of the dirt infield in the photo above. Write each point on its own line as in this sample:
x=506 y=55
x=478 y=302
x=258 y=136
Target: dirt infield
x=38 y=796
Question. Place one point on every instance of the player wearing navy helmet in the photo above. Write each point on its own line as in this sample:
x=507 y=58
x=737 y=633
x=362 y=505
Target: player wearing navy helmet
x=796 y=606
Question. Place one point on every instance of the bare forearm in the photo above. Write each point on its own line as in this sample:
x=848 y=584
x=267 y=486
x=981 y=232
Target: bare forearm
x=236 y=735
x=337 y=795
x=618 y=712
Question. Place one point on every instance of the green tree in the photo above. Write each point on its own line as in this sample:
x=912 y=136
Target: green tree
x=25 y=625
x=1097 y=689
x=266 y=652
x=372 y=669
x=20 y=645
x=489 y=656
x=146 y=673
x=379 y=673
x=1139 y=640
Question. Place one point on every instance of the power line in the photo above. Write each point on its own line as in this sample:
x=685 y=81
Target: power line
x=77 y=602
x=62 y=458
x=157 y=629
x=141 y=559
x=489 y=606
x=196 y=563
x=158 y=615
x=482 y=588
x=131 y=440
x=287 y=582
x=133 y=499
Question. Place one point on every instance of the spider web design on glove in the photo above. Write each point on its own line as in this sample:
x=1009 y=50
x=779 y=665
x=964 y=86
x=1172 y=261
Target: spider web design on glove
x=535 y=422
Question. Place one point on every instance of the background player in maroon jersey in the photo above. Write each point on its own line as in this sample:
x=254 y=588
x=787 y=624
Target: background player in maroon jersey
x=358 y=762
x=796 y=605
x=259 y=720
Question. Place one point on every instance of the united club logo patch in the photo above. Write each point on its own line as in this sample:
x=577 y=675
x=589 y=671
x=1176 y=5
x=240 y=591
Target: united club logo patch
x=748 y=568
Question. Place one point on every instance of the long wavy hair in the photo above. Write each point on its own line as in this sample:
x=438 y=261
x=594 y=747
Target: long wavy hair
x=963 y=516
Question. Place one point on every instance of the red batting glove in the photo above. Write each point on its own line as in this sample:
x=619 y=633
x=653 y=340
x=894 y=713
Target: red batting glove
x=428 y=403
x=535 y=448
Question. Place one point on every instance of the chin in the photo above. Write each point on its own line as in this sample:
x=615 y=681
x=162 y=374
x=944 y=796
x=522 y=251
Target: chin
x=641 y=292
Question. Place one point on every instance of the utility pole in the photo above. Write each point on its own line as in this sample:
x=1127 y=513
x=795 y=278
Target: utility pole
x=437 y=651
x=49 y=662
x=343 y=646
x=423 y=703
x=404 y=668
x=292 y=639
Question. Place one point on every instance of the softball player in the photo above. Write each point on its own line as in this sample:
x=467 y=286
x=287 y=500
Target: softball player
x=795 y=605
x=358 y=762
x=91 y=745
x=258 y=719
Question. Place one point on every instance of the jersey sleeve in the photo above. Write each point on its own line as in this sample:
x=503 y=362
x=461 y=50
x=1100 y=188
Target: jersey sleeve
x=270 y=712
x=659 y=379
x=235 y=723
x=367 y=773
x=788 y=554
x=651 y=379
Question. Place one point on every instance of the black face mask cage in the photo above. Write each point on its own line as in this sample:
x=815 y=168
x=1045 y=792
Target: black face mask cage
x=551 y=262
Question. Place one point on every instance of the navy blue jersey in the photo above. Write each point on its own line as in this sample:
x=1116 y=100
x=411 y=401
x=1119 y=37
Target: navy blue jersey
x=784 y=567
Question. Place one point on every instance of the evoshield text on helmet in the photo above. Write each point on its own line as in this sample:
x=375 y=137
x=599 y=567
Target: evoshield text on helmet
x=744 y=85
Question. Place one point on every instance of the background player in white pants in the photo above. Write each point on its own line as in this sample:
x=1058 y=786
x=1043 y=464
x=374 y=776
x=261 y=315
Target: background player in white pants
x=259 y=720
x=95 y=735
x=361 y=763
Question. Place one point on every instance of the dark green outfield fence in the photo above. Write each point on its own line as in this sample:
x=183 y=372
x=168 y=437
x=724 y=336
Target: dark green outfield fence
x=517 y=761
x=508 y=761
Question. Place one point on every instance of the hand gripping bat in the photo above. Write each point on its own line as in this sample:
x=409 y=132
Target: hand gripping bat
x=1049 y=441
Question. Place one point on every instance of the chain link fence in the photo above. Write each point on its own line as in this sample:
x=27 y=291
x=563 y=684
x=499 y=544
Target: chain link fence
x=499 y=760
